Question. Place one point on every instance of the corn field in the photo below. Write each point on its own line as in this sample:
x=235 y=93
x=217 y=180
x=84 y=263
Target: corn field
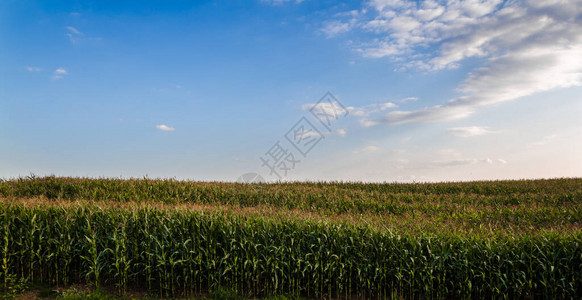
x=505 y=239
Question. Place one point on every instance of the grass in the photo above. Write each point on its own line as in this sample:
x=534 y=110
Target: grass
x=333 y=240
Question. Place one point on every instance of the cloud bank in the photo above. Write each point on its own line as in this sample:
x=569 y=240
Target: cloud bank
x=528 y=47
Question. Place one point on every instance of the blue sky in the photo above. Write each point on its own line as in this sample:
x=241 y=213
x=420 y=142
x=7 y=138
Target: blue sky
x=434 y=90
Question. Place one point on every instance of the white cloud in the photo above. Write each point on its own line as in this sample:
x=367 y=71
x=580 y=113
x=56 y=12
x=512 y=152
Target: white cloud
x=73 y=30
x=408 y=99
x=387 y=105
x=367 y=123
x=467 y=161
x=59 y=73
x=451 y=158
x=544 y=141
x=280 y=2
x=434 y=113
x=341 y=132
x=333 y=28
x=367 y=110
x=308 y=133
x=404 y=25
x=528 y=47
x=33 y=69
x=365 y=114
x=351 y=13
x=470 y=131
x=164 y=127
x=328 y=108
x=73 y=33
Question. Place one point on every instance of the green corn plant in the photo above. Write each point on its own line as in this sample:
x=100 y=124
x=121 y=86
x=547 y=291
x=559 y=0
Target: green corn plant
x=5 y=251
x=121 y=262
x=93 y=258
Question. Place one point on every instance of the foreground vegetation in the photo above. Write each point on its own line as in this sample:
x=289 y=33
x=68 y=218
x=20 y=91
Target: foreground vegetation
x=337 y=240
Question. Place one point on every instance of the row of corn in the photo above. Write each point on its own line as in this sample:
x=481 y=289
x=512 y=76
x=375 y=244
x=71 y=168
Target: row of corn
x=178 y=252
x=336 y=197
